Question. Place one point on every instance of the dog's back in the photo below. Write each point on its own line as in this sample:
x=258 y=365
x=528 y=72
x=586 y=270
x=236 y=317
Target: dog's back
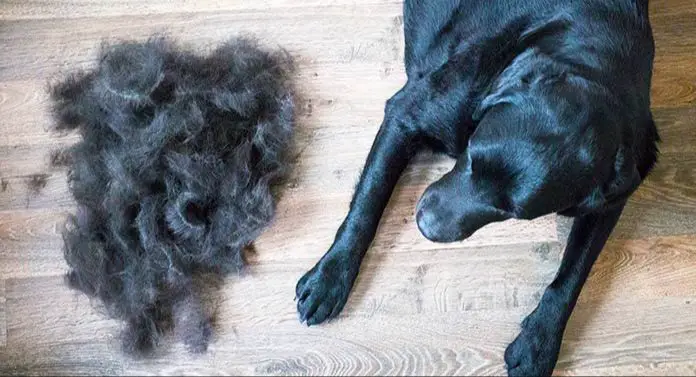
x=436 y=31
x=506 y=45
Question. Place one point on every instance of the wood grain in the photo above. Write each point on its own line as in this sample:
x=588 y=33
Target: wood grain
x=263 y=337
x=674 y=84
x=32 y=242
x=642 y=269
x=3 y=314
x=632 y=333
x=665 y=204
x=17 y=9
x=418 y=308
x=329 y=96
x=60 y=332
x=38 y=49
x=636 y=369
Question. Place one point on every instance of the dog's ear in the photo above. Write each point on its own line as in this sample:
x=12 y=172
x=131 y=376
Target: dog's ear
x=624 y=180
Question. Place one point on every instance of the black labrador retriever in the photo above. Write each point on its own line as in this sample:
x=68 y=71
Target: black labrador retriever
x=545 y=104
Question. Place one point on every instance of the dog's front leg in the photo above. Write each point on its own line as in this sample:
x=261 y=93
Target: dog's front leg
x=535 y=350
x=323 y=291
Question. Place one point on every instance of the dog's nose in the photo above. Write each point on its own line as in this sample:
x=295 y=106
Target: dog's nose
x=431 y=222
x=427 y=224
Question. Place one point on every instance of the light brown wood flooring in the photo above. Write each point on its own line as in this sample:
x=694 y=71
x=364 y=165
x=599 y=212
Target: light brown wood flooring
x=418 y=307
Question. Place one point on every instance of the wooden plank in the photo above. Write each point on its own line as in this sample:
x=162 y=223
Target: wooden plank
x=39 y=9
x=648 y=278
x=30 y=303
x=35 y=190
x=3 y=314
x=19 y=9
x=637 y=369
x=260 y=341
x=621 y=336
x=673 y=82
x=368 y=339
x=410 y=283
x=332 y=101
x=48 y=328
x=475 y=340
x=674 y=126
x=669 y=25
x=329 y=91
x=378 y=39
x=661 y=8
x=433 y=345
x=32 y=245
x=60 y=359
x=406 y=282
x=31 y=159
x=311 y=174
x=418 y=307
x=643 y=269
x=41 y=48
x=666 y=202
x=24 y=111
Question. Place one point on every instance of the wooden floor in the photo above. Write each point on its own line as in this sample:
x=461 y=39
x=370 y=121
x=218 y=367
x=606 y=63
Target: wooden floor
x=418 y=307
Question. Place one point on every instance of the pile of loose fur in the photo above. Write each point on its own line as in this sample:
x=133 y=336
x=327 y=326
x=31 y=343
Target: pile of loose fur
x=173 y=177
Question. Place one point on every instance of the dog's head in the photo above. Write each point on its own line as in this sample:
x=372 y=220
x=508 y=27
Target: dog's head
x=524 y=165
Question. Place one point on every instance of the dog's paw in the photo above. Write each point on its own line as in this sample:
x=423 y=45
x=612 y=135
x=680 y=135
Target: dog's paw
x=323 y=291
x=535 y=350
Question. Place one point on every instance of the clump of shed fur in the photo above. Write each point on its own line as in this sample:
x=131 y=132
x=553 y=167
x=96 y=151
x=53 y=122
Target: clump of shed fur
x=173 y=176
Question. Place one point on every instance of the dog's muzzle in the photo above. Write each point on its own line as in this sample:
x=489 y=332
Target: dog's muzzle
x=444 y=219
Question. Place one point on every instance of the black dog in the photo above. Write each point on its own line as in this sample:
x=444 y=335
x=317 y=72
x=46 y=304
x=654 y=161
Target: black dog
x=545 y=104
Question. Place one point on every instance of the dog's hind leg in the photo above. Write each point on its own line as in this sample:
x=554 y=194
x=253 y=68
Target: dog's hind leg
x=323 y=291
x=535 y=350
